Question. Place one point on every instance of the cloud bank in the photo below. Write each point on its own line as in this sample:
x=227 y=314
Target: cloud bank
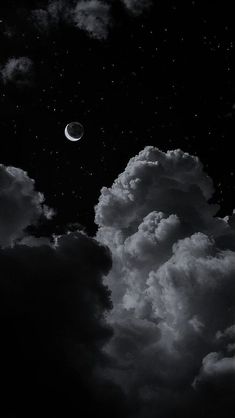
x=137 y=322
x=172 y=283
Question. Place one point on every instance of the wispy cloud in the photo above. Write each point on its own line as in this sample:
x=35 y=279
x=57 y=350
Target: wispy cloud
x=50 y=16
x=94 y=17
x=137 y=7
x=18 y=71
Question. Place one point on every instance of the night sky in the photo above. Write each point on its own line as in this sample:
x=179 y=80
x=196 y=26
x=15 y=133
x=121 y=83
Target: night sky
x=163 y=78
x=117 y=255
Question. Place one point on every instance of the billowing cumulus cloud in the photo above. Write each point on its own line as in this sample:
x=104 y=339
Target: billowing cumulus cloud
x=18 y=71
x=150 y=332
x=172 y=282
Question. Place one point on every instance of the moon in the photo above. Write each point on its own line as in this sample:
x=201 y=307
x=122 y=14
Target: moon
x=74 y=131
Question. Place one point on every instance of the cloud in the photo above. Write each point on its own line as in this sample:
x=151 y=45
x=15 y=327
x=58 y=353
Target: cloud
x=137 y=7
x=172 y=282
x=53 y=304
x=49 y=17
x=52 y=325
x=18 y=71
x=218 y=368
x=91 y=16
x=171 y=183
x=214 y=365
x=137 y=322
x=20 y=204
x=94 y=17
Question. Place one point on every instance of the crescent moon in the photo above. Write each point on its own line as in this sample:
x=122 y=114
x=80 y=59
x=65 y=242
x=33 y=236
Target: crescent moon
x=71 y=138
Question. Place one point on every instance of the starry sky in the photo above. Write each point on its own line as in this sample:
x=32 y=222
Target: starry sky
x=117 y=253
x=161 y=77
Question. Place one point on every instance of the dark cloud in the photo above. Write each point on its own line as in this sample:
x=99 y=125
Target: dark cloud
x=18 y=71
x=172 y=283
x=52 y=326
x=52 y=309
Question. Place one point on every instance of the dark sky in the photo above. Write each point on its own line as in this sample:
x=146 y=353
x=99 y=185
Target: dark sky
x=126 y=310
x=163 y=78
